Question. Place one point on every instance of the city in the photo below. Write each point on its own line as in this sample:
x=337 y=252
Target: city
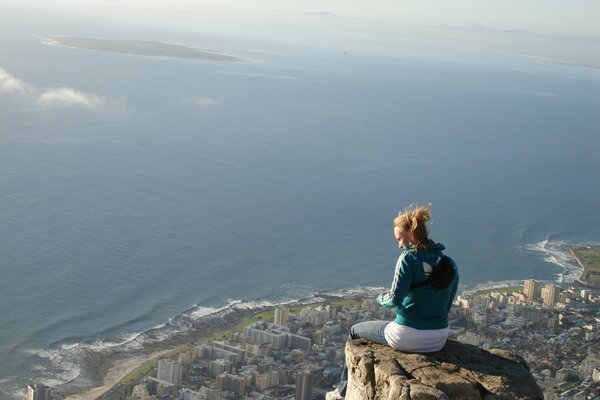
x=297 y=352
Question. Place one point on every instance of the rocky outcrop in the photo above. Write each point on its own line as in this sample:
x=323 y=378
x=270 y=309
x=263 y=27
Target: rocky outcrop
x=458 y=371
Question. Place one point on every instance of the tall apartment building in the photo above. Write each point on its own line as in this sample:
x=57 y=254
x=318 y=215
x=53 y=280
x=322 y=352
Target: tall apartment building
x=550 y=294
x=282 y=315
x=298 y=342
x=217 y=367
x=38 y=392
x=266 y=379
x=277 y=339
x=231 y=383
x=532 y=289
x=234 y=348
x=204 y=352
x=305 y=381
x=169 y=371
x=317 y=316
x=532 y=314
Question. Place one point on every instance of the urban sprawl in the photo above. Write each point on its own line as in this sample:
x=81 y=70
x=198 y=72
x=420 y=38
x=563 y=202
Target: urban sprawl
x=298 y=353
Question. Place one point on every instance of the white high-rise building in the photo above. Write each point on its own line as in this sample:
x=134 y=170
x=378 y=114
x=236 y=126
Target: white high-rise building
x=532 y=289
x=550 y=294
x=282 y=315
x=169 y=371
x=37 y=392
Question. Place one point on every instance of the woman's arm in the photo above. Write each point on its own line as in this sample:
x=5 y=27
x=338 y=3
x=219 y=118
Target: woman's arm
x=400 y=285
x=454 y=289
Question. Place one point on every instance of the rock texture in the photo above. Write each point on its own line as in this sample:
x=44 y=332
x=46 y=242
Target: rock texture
x=458 y=371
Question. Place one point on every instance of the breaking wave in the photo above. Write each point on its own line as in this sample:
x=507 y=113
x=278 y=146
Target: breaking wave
x=68 y=362
x=65 y=362
x=558 y=253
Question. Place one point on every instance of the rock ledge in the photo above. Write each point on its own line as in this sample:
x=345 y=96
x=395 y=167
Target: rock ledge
x=458 y=371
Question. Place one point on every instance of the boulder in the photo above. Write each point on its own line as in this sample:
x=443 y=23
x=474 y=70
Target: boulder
x=458 y=371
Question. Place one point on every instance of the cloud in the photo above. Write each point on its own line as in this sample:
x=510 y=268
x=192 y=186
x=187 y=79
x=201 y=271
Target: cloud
x=62 y=97
x=204 y=101
x=10 y=84
x=66 y=97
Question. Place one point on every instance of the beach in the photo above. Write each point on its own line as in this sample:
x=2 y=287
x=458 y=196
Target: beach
x=116 y=374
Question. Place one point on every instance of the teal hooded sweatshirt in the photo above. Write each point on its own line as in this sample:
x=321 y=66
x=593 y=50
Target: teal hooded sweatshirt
x=423 y=307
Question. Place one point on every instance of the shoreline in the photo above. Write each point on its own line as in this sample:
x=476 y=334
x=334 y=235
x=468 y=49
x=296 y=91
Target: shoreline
x=122 y=367
x=125 y=363
x=115 y=374
x=102 y=366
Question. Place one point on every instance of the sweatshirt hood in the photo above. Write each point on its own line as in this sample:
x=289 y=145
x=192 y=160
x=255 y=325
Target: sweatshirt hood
x=433 y=246
x=436 y=246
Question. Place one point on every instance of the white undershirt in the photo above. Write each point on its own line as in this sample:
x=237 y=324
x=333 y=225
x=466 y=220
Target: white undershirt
x=405 y=338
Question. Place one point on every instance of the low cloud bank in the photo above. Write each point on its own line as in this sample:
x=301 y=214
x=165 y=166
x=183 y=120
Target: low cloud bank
x=204 y=101
x=65 y=97
x=10 y=84
x=48 y=97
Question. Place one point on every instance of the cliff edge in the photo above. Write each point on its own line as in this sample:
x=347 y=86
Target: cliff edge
x=458 y=371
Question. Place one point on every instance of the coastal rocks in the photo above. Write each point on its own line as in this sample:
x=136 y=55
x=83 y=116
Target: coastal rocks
x=458 y=371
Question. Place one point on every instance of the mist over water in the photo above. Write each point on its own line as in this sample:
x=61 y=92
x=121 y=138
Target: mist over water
x=182 y=187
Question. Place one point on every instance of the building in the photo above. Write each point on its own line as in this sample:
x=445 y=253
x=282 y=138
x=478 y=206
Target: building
x=38 y=392
x=282 y=315
x=204 y=352
x=213 y=394
x=550 y=294
x=266 y=379
x=298 y=342
x=188 y=394
x=532 y=289
x=218 y=367
x=231 y=383
x=305 y=381
x=532 y=315
x=315 y=316
x=169 y=371
x=470 y=338
x=275 y=338
x=553 y=322
x=234 y=348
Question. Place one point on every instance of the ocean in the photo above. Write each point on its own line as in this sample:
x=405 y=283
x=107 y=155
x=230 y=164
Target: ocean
x=160 y=186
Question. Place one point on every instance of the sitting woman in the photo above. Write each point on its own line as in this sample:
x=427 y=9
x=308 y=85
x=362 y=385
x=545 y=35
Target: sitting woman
x=421 y=324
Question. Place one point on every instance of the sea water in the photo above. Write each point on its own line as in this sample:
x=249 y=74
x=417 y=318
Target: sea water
x=187 y=186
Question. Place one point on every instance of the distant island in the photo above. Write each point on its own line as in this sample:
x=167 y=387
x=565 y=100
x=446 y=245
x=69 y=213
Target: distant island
x=589 y=259
x=139 y=48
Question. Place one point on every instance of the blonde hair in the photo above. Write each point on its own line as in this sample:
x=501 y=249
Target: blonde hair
x=413 y=219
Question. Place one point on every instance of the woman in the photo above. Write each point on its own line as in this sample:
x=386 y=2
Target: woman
x=421 y=324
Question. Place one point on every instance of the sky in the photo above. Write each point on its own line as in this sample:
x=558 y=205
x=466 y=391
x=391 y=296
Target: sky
x=557 y=17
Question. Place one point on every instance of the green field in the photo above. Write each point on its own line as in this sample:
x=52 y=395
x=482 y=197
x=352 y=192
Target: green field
x=589 y=257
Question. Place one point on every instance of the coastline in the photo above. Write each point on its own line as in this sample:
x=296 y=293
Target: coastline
x=115 y=374
x=122 y=367
x=122 y=364
x=106 y=366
